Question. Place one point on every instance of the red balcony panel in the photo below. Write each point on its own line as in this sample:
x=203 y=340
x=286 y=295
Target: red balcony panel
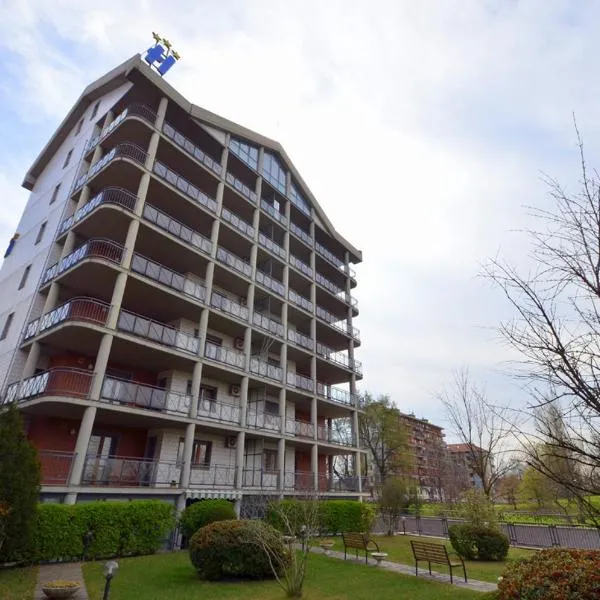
x=55 y=467
x=53 y=434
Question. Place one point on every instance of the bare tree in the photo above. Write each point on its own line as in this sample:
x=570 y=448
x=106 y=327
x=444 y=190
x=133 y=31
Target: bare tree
x=556 y=331
x=485 y=433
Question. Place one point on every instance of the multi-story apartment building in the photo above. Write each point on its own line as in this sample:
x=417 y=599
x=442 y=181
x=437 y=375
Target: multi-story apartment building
x=177 y=313
x=427 y=451
x=462 y=457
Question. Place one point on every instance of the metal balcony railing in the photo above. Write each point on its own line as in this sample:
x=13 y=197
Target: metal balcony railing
x=55 y=467
x=300 y=300
x=73 y=383
x=272 y=246
x=228 y=356
x=176 y=228
x=165 y=276
x=329 y=256
x=94 y=248
x=160 y=333
x=329 y=285
x=336 y=395
x=301 y=340
x=258 y=478
x=214 y=476
x=241 y=187
x=301 y=266
x=235 y=262
x=125 y=150
x=298 y=481
x=273 y=212
x=300 y=381
x=268 y=324
x=131 y=393
x=110 y=195
x=184 y=186
x=334 y=356
x=262 y=420
x=77 y=309
x=210 y=408
x=237 y=222
x=270 y=282
x=122 y=471
x=337 y=323
x=193 y=150
x=303 y=235
x=264 y=369
x=299 y=428
x=224 y=304
x=341 y=484
x=333 y=436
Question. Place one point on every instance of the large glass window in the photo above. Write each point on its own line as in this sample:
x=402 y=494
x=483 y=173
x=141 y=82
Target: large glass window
x=273 y=172
x=298 y=200
x=245 y=152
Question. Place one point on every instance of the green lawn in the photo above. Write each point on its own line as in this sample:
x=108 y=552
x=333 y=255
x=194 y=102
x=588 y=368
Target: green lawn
x=17 y=584
x=172 y=577
x=399 y=550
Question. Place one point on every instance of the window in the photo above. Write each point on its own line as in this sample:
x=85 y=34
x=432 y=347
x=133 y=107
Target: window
x=40 y=234
x=55 y=194
x=245 y=152
x=271 y=408
x=7 y=325
x=188 y=387
x=213 y=339
x=24 y=277
x=273 y=172
x=95 y=111
x=201 y=453
x=208 y=398
x=68 y=158
x=270 y=460
x=298 y=200
x=79 y=126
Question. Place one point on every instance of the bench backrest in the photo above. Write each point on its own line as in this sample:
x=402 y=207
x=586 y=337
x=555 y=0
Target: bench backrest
x=429 y=552
x=355 y=540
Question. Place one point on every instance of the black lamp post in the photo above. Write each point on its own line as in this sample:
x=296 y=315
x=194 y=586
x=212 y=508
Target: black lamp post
x=110 y=570
x=88 y=536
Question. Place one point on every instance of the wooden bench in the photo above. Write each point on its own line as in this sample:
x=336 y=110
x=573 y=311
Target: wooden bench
x=437 y=554
x=358 y=541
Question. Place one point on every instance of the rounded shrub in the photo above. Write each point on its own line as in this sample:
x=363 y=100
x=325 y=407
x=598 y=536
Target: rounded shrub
x=478 y=543
x=552 y=574
x=237 y=549
x=204 y=512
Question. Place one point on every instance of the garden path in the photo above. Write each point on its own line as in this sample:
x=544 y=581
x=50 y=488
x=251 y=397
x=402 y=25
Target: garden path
x=70 y=571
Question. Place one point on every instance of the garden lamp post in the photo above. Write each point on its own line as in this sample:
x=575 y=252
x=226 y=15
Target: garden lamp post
x=110 y=570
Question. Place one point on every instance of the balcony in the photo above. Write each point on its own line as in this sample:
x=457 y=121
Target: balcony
x=237 y=222
x=184 y=186
x=300 y=301
x=124 y=150
x=301 y=340
x=264 y=369
x=298 y=481
x=137 y=395
x=73 y=383
x=270 y=282
x=329 y=285
x=210 y=408
x=336 y=395
x=241 y=187
x=257 y=478
x=334 y=436
x=225 y=305
x=227 y=356
x=111 y=195
x=262 y=420
x=272 y=246
x=303 y=235
x=177 y=229
x=233 y=261
x=267 y=324
x=300 y=382
x=301 y=266
x=339 y=358
x=94 y=248
x=193 y=150
x=215 y=476
x=167 y=277
x=336 y=323
x=274 y=213
x=156 y=332
x=299 y=428
x=342 y=484
x=122 y=471
x=85 y=310
x=55 y=467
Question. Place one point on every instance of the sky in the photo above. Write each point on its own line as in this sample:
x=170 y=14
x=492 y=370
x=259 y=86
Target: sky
x=423 y=129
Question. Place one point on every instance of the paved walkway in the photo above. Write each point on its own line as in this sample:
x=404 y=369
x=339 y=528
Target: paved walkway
x=472 y=584
x=70 y=571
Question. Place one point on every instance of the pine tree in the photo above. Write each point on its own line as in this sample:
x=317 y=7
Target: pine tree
x=19 y=485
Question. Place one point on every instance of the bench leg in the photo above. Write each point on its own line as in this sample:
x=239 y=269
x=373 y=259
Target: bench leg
x=345 y=552
x=416 y=568
x=429 y=568
x=366 y=558
x=451 y=580
x=465 y=572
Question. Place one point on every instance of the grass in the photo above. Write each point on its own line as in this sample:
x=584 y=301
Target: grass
x=171 y=576
x=399 y=550
x=17 y=584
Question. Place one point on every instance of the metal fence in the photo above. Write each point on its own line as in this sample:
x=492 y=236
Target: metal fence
x=519 y=534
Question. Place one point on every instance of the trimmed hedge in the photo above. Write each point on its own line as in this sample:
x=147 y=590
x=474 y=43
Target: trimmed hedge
x=335 y=516
x=478 y=543
x=552 y=574
x=234 y=549
x=203 y=513
x=118 y=529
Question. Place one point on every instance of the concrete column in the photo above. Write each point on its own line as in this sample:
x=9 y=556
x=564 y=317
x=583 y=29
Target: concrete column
x=117 y=299
x=202 y=327
x=209 y=277
x=237 y=507
x=180 y=504
x=100 y=366
x=355 y=436
x=244 y=399
x=81 y=447
x=283 y=362
x=313 y=297
x=283 y=410
x=32 y=360
x=358 y=470
x=219 y=198
x=96 y=156
x=247 y=348
x=51 y=301
x=253 y=259
x=314 y=417
x=225 y=156
x=188 y=447
x=130 y=239
x=313 y=371
x=313 y=335
x=142 y=192
x=250 y=302
x=281 y=463
x=151 y=152
x=214 y=236
x=196 y=382
x=69 y=245
x=161 y=112
x=239 y=460
x=314 y=465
